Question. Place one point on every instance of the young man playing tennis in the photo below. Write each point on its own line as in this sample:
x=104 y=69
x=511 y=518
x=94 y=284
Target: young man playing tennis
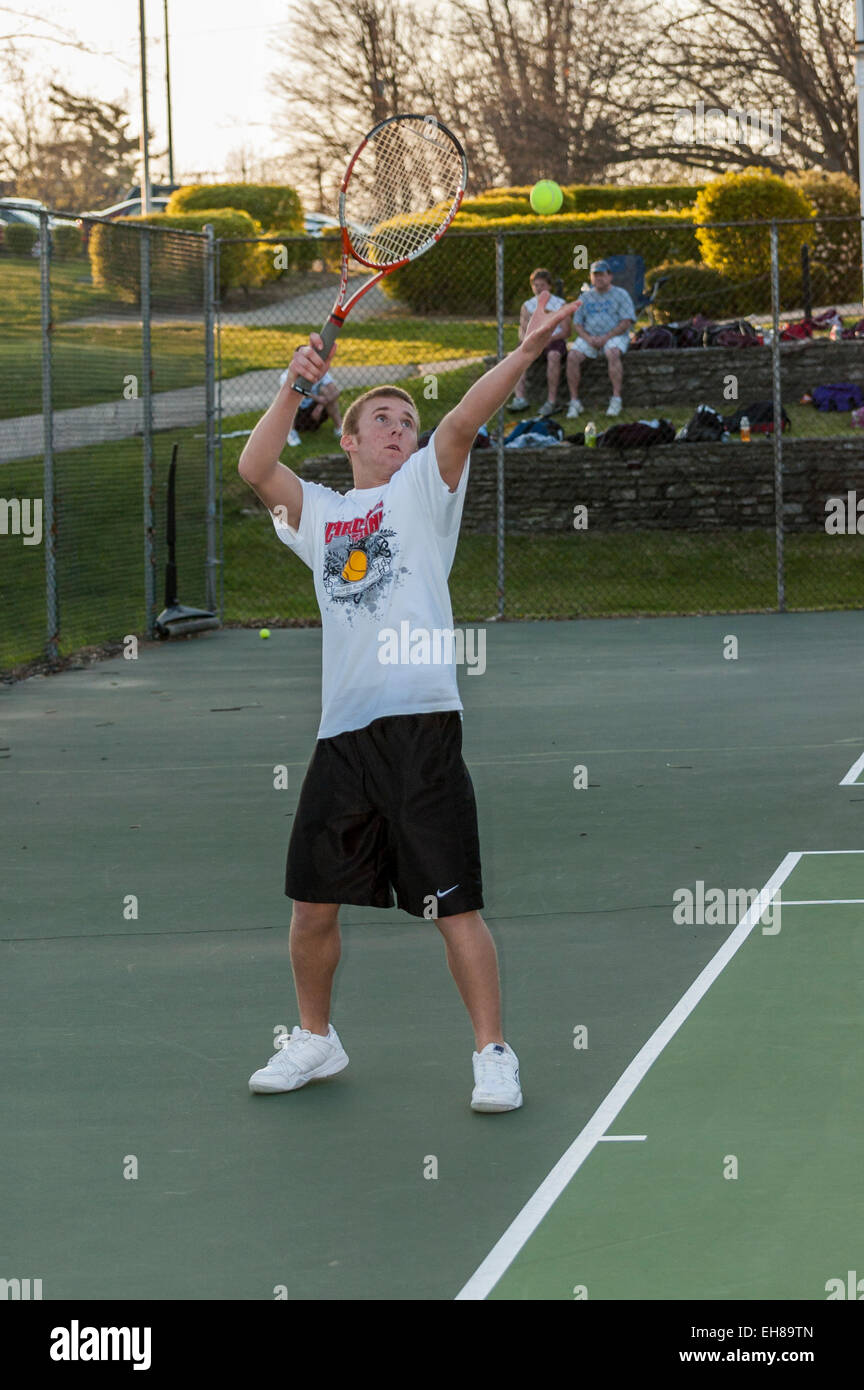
x=387 y=801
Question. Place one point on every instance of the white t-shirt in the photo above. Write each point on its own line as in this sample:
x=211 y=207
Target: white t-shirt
x=380 y=558
x=553 y=302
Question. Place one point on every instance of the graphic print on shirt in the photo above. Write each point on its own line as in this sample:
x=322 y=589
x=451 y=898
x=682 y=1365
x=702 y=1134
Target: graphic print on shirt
x=359 y=560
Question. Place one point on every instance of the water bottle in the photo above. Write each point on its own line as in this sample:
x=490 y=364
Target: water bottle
x=590 y=435
x=745 y=430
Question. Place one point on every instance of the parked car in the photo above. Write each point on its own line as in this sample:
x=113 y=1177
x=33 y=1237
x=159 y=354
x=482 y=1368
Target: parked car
x=157 y=190
x=26 y=211
x=315 y=222
x=131 y=207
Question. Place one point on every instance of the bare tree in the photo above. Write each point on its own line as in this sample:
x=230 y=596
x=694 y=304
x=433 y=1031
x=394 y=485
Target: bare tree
x=789 y=56
x=13 y=19
x=360 y=61
x=552 y=88
x=71 y=152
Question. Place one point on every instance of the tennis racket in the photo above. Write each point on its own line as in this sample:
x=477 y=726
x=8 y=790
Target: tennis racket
x=401 y=191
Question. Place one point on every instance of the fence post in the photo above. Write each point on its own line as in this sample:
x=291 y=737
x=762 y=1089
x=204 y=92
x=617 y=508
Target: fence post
x=499 y=313
x=147 y=437
x=217 y=247
x=210 y=411
x=52 y=615
x=778 y=420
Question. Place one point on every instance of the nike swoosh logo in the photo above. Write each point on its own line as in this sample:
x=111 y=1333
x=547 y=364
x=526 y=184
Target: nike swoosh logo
x=439 y=894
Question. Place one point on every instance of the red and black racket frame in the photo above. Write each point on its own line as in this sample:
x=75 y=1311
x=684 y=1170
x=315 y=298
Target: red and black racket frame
x=340 y=311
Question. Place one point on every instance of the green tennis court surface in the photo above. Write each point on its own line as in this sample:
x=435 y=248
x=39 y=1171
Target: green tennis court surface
x=146 y=811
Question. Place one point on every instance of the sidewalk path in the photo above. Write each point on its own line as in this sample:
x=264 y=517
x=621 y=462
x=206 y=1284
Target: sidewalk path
x=22 y=437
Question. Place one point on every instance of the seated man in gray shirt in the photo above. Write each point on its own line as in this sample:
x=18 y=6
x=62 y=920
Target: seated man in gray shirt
x=603 y=321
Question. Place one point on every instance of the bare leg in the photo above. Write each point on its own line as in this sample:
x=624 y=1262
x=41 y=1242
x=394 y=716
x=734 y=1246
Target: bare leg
x=574 y=368
x=616 y=370
x=553 y=374
x=473 y=963
x=315 y=947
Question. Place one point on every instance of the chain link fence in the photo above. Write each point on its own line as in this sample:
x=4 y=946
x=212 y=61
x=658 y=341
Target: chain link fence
x=109 y=358
x=719 y=525
x=105 y=366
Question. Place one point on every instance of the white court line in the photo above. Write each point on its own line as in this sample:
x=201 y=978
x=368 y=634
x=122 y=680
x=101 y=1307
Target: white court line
x=502 y=1255
x=832 y=851
x=853 y=774
x=817 y=902
x=619 y=1138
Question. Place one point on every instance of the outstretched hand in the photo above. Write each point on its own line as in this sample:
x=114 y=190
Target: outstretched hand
x=541 y=325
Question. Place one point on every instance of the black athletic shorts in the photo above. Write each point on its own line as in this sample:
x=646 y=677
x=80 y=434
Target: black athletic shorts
x=389 y=807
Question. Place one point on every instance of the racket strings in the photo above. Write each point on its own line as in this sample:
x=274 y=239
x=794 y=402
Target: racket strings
x=402 y=190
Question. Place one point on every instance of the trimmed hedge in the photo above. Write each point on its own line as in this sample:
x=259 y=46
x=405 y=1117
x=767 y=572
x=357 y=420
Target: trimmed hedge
x=692 y=288
x=745 y=252
x=19 y=238
x=458 y=275
x=590 y=197
x=67 y=241
x=177 y=263
x=275 y=206
x=835 y=247
x=298 y=253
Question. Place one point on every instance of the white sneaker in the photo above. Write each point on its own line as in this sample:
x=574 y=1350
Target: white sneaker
x=496 y=1079
x=614 y=405
x=303 y=1057
x=294 y=439
x=518 y=403
x=547 y=408
x=574 y=409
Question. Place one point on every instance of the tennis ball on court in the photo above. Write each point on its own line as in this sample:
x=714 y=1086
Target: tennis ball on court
x=265 y=632
x=546 y=196
x=355 y=566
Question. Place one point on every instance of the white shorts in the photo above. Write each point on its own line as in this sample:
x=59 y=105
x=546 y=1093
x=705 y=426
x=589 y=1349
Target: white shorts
x=622 y=342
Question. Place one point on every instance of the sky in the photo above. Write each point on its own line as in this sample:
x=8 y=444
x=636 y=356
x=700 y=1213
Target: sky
x=219 y=68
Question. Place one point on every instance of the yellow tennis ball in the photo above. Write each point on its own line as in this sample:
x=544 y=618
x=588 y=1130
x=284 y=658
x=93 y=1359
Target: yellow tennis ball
x=355 y=566
x=546 y=197
x=265 y=632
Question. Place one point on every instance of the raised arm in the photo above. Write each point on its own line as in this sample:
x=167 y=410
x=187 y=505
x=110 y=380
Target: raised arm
x=259 y=465
x=458 y=430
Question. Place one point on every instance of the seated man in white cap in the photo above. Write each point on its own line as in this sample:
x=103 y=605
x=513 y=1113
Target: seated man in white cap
x=601 y=323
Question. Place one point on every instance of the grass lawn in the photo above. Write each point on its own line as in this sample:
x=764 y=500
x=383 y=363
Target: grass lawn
x=91 y=363
x=101 y=553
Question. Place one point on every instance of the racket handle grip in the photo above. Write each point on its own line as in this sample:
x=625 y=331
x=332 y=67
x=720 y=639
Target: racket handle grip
x=329 y=334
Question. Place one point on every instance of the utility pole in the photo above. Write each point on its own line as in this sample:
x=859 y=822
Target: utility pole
x=168 y=94
x=145 y=143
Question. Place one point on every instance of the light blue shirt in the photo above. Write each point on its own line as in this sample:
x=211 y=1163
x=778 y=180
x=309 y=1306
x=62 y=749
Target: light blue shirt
x=600 y=313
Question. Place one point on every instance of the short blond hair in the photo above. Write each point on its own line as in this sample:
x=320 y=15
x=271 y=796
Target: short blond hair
x=351 y=418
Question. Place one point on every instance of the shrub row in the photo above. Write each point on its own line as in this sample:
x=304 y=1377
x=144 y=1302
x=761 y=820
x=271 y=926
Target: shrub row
x=458 y=275
x=19 y=238
x=176 y=263
x=274 y=206
x=588 y=197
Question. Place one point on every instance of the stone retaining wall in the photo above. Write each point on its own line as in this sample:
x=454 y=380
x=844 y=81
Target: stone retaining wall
x=685 y=376
x=673 y=486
